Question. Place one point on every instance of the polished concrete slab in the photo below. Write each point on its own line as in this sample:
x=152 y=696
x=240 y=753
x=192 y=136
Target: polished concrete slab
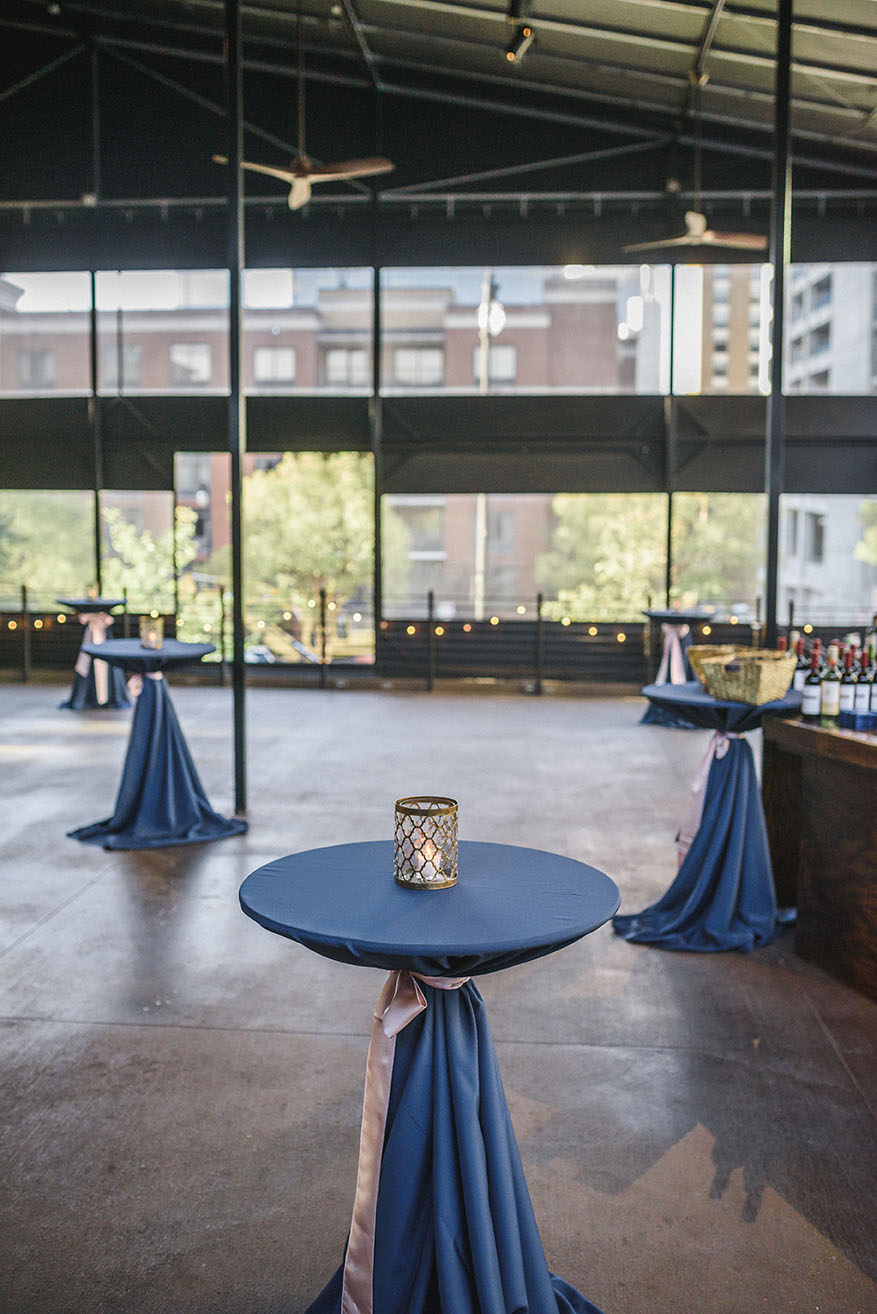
x=180 y=1089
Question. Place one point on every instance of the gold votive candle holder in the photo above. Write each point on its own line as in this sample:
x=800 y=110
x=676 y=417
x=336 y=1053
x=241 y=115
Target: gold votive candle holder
x=425 y=842
x=151 y=631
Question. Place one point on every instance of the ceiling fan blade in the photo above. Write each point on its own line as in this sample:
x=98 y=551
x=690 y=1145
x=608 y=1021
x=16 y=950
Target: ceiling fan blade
x=285 y=175
x=364 y=168
x=300 y=192
x=741 y=241
x=664 y=242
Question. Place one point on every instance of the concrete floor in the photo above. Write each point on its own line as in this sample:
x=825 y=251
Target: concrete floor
x=181 y=1089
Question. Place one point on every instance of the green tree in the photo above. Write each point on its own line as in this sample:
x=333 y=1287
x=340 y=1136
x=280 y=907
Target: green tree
x=143 y=563
x=866 y=548
x=47 y=543
x=608 y=552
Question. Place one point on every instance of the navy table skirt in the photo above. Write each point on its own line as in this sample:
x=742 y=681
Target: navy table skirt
x=676 y=627
x=454 y=1227
x=161 y=801
x=723 y=895
x=104 y=685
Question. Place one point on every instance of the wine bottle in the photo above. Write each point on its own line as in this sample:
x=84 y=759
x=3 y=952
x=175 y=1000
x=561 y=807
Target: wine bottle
x=811 y=693
x=864 y=685
x=847 y=692
x=830 y=692
x=802 y=669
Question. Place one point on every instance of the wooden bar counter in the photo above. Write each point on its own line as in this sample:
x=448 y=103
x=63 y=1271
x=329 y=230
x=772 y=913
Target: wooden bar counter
x=819 y=788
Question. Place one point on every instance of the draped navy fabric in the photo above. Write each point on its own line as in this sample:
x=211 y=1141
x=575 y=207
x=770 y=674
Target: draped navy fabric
x=161 y=801
x=655 y=714
x=83 y=694
x=455 y=1232
x=723 y=895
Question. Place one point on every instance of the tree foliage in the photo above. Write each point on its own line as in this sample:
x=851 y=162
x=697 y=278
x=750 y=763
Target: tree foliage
x=866 y=548
x=608 y=552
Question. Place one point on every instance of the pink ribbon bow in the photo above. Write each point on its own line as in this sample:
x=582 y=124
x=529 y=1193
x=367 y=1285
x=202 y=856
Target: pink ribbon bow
x=400 y=1001
x=672 y=655
x=718 y=746
x=96 y=625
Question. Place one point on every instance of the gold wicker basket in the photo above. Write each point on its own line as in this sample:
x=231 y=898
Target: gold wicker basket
x=700 y=652
x=750 y=675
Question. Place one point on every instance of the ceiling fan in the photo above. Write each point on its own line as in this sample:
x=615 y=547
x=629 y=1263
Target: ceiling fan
x=697 y=229
x=303 y=172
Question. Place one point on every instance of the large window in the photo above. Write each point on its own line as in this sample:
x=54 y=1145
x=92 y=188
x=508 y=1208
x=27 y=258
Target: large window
x=830 y=329
x=44 y=334
x=307 y=330
x=576 y=328
x=162 y=330
x=722 y=329
x=828 y=569
x=47 y=544
x=718 y=552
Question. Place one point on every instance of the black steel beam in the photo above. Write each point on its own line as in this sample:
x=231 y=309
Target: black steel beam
x=236 y=411
x=780 y=255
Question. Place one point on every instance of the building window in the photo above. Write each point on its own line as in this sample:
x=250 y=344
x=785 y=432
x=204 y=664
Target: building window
x=791 y=533
x=418 y=366
x=273 y=365
x=346 y=367
x=190 y=364
x=820 y=339
x=797 y=305
x=36 y=369
x=814 y=537
x=502 y=363
x=721 y=312
x=501 y=530
x=132 y=366
x=821 y=294
x=819 y=382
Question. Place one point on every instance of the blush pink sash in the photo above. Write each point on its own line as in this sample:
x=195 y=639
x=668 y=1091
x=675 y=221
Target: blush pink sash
x=96 y=626
x=400 y=1001
x=717 y=748
x=672 y=657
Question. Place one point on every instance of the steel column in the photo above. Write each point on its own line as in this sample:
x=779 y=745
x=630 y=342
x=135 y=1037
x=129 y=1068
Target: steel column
x=237 y=421
x=377 y=434
x=780 y=248
x=670 y=446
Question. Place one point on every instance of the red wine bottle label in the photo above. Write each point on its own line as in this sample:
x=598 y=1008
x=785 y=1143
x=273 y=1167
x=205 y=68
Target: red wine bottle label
x=799 y=678
x=863 y=697
x=830 y=697
x=811 y=700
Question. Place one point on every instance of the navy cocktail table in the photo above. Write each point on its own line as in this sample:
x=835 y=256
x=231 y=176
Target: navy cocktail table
x=161 y=800
x=723 y=895
x=442 y=1220
x=95 y=683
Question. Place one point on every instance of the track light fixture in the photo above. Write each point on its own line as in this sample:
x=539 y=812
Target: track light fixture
x=520 y=44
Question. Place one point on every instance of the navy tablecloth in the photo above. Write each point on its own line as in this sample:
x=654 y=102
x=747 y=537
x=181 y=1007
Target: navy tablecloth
x=455 y=1231
x=723 y=895
x=161 y=801
x=84 y=693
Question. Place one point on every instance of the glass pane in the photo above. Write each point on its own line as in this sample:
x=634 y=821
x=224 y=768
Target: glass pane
x=576 y=328
x=722 y=329
x=719 y=552
x=831 y=329
x=828 y=558
x=47 y=543
x=138 y=549
x=204 y=602
x=162 y=330
x=307 y=330
x=44 y=334
x=592 y=556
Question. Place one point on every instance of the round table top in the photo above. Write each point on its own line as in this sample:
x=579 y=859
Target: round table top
x=509 y=905
x=692 y=701
x=679 y=617
x=131 y=653
x=90 y=604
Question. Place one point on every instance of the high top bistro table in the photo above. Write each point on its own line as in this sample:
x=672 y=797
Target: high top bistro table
x=674 y=667
x=95 y=683
x=161 y=800
x=442 y=1221
x=723 y=895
